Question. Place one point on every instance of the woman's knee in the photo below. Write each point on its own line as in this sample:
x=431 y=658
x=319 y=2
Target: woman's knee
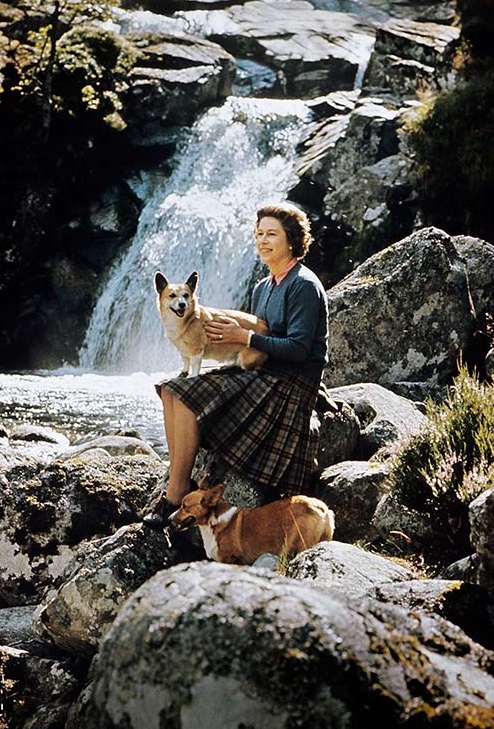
x=176 y=408
x=167 y=398
x=182 y=410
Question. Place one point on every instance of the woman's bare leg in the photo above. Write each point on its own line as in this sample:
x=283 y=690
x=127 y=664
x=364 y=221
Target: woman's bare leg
x=168 y=402
x=182 y=435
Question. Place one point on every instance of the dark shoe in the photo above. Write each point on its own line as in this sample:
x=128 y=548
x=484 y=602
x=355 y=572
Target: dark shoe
x=158 y=518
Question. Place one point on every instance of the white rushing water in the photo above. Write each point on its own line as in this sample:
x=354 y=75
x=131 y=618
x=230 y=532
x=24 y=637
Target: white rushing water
x=237 y=157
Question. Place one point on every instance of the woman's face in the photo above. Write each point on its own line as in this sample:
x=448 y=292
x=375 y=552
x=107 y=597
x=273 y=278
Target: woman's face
x=272 y=244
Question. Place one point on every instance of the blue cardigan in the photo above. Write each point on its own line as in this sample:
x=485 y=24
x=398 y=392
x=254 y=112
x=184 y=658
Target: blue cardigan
x=296 y=312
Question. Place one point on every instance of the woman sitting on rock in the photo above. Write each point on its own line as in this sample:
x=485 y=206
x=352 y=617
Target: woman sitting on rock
x=257 y=421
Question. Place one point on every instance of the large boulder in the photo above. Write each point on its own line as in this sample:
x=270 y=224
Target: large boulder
x=354 y=490
x=48 y=511
x=312 y=51
x=481 y=516
x=408 y=312
x=174 y=78
x=384 y=416
x=348 y=569
x=411 y=55
x=355 y=164
x=180 y=653
x=98 y=580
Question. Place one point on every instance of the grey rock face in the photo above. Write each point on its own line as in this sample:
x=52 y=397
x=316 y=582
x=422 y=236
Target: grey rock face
x=405 y=313
x=180 y=653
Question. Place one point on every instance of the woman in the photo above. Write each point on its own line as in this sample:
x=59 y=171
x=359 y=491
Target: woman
x=257 y=421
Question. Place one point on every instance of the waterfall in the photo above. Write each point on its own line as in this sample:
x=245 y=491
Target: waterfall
x=201 y=217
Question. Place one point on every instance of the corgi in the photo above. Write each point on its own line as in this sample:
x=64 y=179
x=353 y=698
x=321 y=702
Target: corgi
x=237 y=535
x=183 y=317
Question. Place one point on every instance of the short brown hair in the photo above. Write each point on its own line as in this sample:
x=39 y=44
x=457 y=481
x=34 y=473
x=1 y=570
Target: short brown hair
x=295 y=223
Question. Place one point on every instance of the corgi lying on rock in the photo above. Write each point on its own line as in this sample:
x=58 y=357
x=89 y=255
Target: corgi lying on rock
x=240 y=535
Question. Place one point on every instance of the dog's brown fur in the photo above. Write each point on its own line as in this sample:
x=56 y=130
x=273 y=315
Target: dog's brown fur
x=239 y=535
x=183 y=318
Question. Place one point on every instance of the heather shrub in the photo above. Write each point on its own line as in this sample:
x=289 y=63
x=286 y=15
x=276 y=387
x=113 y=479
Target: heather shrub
x=444 y=467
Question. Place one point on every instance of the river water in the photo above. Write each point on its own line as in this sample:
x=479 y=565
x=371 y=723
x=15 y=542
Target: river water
x=79 y=404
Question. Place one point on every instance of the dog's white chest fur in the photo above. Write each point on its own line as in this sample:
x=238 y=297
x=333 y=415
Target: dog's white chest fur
x=208 y=533
x=174 y=327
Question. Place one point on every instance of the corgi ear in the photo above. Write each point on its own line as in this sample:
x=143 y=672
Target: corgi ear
x=215 y=494
x=160 y=282
x=192 y=281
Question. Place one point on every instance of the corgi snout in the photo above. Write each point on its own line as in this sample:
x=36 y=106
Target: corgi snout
x=195 y=509
x=180 y=307
x=179 y=523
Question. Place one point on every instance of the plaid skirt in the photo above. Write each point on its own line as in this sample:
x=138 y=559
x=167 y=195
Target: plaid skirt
x=257 y=421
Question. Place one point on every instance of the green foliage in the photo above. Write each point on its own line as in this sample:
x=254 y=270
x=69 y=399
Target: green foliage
x=454 y=153
x=90 y=71
x=444 y=467
x=68 y=64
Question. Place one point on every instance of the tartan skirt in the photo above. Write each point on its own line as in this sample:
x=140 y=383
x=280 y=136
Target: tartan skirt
x=257 y=421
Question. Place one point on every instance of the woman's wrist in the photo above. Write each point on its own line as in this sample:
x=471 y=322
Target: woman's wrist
x=250 y=332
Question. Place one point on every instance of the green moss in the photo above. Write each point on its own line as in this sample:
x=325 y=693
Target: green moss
x=66 y=64
x=90 y=73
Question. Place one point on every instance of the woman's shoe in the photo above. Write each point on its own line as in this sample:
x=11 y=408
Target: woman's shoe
x=158 y=518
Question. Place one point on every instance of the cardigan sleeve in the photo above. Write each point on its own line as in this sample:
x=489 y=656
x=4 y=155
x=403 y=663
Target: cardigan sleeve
x=297 y=319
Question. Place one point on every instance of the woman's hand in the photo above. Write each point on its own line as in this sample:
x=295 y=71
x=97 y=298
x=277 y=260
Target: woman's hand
x=226 y=330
